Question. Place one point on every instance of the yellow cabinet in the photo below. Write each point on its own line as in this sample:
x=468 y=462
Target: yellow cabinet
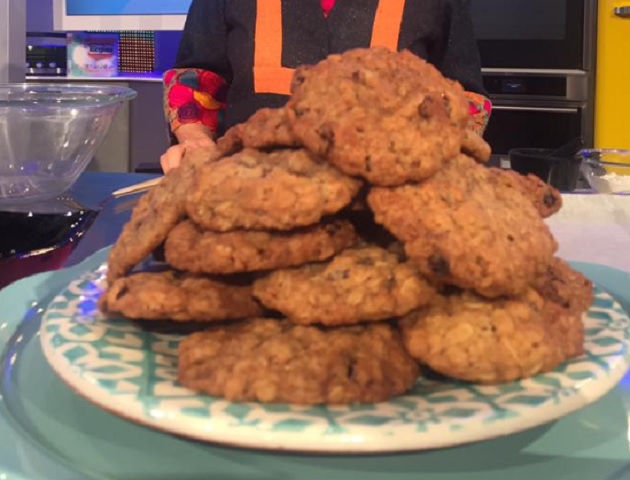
x=612 y=96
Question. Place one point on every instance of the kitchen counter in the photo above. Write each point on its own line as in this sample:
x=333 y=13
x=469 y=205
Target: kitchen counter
x=594 y=228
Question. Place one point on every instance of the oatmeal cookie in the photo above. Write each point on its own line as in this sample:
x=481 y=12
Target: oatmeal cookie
x=191 y=249
x=545 y=198
x=468 y=337
x=267 y=128
x=568 y=295
x=358 y=285
x=155 y=214
x=395 y=118
x=566 y=326
x=177 y=296
x=279 y=190
x=274 y=361
x=565 y=286
x=462 y=229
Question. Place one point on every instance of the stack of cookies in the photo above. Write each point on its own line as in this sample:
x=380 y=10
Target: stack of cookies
x=333 y=248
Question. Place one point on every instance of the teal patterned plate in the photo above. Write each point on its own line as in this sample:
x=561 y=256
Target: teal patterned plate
x=131 y=372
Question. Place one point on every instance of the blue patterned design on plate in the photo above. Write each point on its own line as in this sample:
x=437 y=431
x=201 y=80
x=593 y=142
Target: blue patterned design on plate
x=132 y=373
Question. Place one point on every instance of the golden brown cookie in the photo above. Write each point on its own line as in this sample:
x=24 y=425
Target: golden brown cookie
x=394 y=117
x=568 y=295
x=545 y=198
x=563 y=285
x=267 y=128
x=280 y=190
x=468 y=337
x=462 y=229
x=156 y=212
x=265 y=360
x=191 y=249
x=358 y=285
x=566 y=326
x=180 y=297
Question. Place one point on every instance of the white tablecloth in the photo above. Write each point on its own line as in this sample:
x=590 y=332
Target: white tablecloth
x=594 y=228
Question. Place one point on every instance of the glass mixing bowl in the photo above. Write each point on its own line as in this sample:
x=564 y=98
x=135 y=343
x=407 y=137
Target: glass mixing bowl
x=606 y=170
x=49 y=133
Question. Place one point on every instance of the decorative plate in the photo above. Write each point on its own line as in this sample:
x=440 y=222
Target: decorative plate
x=131 y=372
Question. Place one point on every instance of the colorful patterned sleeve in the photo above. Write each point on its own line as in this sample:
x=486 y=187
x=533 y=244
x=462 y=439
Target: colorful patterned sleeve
x=480 y=109
x=193 y=95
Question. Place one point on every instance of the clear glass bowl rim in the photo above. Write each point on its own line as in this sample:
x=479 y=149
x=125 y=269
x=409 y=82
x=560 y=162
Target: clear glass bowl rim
x=586 y=155
x=62 y=95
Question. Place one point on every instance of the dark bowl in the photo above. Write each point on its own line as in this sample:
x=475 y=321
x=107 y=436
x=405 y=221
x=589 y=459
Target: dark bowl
x=562 y=173
x=37 y=242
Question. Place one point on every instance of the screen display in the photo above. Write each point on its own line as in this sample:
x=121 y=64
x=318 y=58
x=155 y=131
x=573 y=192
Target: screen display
x=127 y=7
x=519 y=19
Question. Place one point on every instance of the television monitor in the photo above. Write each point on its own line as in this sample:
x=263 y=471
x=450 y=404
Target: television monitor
x=80 y=15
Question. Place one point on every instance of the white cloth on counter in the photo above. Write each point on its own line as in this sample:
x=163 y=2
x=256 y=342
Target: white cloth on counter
x=594 y=228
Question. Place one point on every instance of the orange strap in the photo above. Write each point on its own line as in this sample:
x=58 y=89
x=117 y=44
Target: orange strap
x=387 y=22
x=269 y=74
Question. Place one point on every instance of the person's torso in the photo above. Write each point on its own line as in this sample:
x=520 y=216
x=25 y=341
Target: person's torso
x=267 y=39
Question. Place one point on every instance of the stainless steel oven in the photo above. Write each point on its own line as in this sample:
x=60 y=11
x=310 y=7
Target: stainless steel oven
x=537 y=58
x=536 y=34
x=539 y=109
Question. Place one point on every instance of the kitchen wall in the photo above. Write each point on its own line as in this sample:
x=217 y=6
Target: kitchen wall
x=166 y=45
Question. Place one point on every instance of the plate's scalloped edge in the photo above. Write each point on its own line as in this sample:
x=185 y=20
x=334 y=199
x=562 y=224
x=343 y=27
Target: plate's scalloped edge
x=246 y=437
x=10 y=427
x=253 y=439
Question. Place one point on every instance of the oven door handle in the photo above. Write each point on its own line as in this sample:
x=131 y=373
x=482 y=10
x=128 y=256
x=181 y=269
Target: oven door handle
x=623 y=12
x=535 y=109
